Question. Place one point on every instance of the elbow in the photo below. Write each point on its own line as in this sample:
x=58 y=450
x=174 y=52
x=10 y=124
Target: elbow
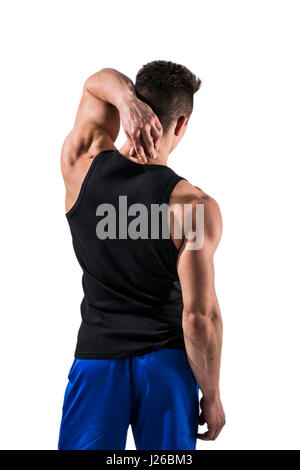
x=95 y=76
x=197 y=319
x=88 y=83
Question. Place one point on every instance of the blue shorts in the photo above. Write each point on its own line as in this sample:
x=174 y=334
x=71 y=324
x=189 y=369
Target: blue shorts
x=156 y=393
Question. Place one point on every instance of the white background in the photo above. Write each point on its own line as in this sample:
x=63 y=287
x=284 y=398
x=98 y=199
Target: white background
x=242 y=147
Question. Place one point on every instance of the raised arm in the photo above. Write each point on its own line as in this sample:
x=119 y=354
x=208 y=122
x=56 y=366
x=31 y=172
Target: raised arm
x=141 y=125
x=202 y=322
x=108 y=98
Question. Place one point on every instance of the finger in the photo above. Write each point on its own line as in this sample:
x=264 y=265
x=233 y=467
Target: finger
x=158 y=125
x=138 y=147
x=158 y=130
x=201 y=419
x=217 y=432
x=207 y=436
x=140 y=151
x=132 y=155
x=134 y=159
x=148 y=142
x=130 y=141
x=156 y=135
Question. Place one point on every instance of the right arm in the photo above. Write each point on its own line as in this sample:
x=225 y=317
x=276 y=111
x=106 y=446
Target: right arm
x=108 y=98
x=201 y=320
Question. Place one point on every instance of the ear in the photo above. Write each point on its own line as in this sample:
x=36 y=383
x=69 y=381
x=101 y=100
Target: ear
x=182 y=121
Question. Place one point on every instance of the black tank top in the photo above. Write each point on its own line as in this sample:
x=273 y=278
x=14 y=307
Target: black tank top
x=132 y=296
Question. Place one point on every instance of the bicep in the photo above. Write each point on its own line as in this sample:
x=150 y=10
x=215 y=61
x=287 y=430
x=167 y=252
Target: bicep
x=196 y=275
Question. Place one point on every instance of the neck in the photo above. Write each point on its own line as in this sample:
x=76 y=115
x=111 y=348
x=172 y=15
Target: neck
x=161 y=155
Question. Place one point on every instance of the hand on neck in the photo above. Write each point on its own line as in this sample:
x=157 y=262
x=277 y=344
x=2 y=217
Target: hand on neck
x=161 y=154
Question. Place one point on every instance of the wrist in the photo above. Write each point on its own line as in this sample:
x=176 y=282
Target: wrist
x=126 y=96
x=211 y=396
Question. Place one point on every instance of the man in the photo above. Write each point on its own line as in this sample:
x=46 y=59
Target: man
x=151 y=329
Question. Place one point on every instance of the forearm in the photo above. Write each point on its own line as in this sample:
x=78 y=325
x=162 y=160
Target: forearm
x=110 y=86
x=109 y=97
x=203 y=342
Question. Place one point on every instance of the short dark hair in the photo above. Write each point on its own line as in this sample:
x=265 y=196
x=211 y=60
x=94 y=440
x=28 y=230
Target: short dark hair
x=168 y=88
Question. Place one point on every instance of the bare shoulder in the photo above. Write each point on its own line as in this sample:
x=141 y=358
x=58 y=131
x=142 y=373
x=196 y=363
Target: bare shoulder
x=185 y=193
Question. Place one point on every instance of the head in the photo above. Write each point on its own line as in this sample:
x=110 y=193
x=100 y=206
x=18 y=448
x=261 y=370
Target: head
x=169 y=89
